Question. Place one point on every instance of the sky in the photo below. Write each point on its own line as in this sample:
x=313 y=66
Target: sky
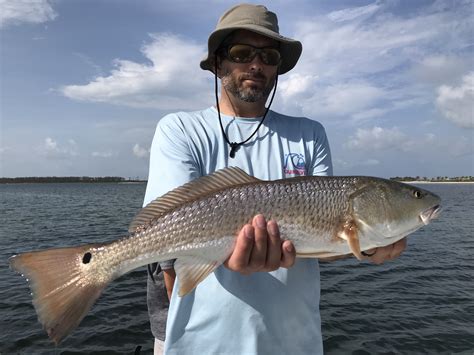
x=84 y=82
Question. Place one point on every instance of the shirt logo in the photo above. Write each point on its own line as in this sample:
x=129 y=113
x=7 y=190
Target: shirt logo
x=294 y=164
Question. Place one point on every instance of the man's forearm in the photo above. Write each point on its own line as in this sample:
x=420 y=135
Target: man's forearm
x=169 y=276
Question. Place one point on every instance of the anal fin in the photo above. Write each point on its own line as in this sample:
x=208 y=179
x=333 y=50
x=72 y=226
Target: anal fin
x=191 y=270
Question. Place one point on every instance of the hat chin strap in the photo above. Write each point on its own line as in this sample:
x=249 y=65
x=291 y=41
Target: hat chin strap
x=235 y=146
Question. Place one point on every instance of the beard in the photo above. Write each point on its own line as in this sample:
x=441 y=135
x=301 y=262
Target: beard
x=234 y=85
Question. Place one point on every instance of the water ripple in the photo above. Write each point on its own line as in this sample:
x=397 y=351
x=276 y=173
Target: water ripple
x=421 y=303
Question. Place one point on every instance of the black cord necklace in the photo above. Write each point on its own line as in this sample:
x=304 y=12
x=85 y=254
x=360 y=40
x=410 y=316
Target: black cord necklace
x=234 y=146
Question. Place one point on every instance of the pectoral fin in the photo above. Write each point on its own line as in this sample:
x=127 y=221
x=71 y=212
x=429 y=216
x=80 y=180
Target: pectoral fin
x=350 y=234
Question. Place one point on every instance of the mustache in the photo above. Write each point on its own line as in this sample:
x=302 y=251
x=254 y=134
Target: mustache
x=257 y=76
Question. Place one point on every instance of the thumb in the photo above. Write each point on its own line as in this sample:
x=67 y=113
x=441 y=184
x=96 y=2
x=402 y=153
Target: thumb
x=288 y=254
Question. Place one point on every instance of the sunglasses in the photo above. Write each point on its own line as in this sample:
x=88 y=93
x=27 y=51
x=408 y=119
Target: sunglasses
x=245 y=53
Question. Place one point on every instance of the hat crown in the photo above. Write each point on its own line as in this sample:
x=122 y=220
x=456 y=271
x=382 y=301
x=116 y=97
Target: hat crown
x=247 y=14
x=257 y=19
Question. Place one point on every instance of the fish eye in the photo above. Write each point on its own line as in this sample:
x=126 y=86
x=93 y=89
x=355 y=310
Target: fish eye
x=417 y=193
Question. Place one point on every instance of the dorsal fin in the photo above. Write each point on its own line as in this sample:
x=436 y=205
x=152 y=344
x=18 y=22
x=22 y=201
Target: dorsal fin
x=221 y=179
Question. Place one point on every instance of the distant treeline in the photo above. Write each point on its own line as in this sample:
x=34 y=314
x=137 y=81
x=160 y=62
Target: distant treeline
x=88 y=179
x=47 y=179
x=435 y=179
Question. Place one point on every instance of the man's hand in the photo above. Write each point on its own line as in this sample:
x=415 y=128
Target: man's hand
x=388 y=252
x=259 y=248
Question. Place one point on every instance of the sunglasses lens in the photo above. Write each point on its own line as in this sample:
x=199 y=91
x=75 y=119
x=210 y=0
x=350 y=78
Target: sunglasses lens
x=241 y=53
x=270 y=56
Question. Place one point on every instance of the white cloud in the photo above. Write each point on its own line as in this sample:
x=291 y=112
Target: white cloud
x=139 y=151
x=50 y=144
x=353 y=13
x=377 y=138
x=32 y=11
x=296 y=84
x=357 y=62
x=344 y=99
x=367 y=61
x=351 y=49
x=370 y=113
x=53 y=150
x=457 y=103
x=170 y=80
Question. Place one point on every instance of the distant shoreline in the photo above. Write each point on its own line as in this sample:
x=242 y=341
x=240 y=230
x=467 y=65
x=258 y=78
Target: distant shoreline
x=121 y=180
x=435 y=182
x=70 y=179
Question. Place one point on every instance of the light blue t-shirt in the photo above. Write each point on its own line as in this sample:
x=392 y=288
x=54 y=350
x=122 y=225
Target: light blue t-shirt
x=229 y=313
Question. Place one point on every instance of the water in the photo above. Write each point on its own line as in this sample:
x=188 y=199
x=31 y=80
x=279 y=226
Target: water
x=36 y=216
x=422 y=303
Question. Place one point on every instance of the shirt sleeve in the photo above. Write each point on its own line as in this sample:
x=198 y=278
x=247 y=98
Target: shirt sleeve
x=171 y=162
x=321 y=162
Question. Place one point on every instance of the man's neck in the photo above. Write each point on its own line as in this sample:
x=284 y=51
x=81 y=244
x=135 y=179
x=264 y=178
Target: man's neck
x=232 y=106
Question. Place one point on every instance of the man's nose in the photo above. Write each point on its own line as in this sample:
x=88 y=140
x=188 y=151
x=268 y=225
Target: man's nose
x=256 y=64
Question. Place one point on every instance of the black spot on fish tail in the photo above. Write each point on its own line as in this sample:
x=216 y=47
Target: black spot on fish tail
x=86 y=258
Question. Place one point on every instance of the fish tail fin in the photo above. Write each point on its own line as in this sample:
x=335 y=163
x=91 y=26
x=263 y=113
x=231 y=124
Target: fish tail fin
x=64 y=286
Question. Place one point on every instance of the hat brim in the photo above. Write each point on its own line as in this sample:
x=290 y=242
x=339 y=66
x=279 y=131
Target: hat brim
x=290 y=49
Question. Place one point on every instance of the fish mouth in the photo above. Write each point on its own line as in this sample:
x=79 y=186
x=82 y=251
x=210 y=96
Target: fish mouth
x=430 y=213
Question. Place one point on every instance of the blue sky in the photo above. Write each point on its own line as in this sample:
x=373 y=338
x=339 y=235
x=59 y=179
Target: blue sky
x=84 y=82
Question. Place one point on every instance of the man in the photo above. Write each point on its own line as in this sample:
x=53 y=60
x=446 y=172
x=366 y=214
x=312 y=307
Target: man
x=262 y=300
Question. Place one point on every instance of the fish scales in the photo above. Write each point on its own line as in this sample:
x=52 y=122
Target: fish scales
x=197 y=224
x=312 y=206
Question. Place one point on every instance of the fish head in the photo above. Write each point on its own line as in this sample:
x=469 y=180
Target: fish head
x=386 y=211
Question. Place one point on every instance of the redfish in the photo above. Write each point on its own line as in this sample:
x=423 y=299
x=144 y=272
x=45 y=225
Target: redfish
x=197 y=224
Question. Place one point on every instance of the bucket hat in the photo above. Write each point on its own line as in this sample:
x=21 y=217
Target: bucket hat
x=258 y=19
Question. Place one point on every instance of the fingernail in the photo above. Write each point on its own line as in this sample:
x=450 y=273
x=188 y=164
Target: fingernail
x=260 y=221
x=272 y=228
x=289 y=247
x=248 y=232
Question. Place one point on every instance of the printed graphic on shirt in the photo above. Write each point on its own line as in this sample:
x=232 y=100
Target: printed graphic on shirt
x=294 y=165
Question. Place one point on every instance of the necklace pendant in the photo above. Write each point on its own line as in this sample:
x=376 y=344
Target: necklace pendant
x=234 y=147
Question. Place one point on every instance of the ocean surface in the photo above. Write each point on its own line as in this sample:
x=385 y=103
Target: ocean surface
x=421 y=303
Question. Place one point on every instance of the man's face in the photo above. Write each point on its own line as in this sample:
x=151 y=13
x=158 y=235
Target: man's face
x=249 y=82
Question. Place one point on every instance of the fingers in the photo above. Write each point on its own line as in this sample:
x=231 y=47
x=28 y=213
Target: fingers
x=388 y=252
x=288 y=256
x=381 y=254
x=240 y=257
x=398 y=248
x=258 y=256
x=259 y=248
x=274 y=248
